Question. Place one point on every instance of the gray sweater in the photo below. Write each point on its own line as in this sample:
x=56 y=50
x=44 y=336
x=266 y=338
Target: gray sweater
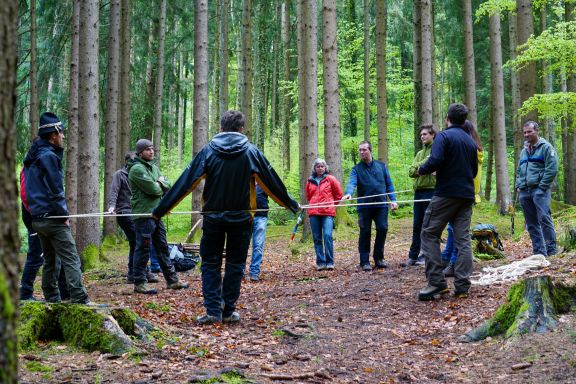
x=120 y=192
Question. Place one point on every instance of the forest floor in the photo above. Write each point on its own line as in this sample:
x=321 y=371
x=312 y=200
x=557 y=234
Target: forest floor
x=301 y=325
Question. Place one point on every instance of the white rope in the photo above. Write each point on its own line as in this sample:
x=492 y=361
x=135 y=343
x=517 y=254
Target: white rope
x=509 y=272
x=358 y=198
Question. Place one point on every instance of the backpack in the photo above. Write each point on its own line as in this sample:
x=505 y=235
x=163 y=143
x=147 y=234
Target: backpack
x=182 y=260
x=487 y=236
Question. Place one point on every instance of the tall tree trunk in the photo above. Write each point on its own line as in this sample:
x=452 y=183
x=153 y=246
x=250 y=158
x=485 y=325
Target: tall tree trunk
x=247 y=66
x=526 y=75
x=498 y=116
x=548 y=124
x=148 y=130
x=213 y=126
x=124 y=113
x=285 y=99
x=426 y=52
x=514 y=91
x=381 y=101
x=200 y=113
x=72 y=131
x=489 y=163
x=181 y=97
x=469 y=66
x=366 y=70
x=570 y=153
x=223 y=65
x=417 y=72
x=332 y=151
x=307 y=94
x=33 y=118
x=111 y=134
x=158 y=100
x=9 y=237
x=88 y=229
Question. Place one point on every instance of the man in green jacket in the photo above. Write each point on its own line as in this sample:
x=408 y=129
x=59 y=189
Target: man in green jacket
x=423 y=190
x=537 y=168
x=148 y=185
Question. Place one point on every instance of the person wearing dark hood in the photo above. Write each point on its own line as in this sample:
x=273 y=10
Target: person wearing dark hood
x=148 y=185
x=45 y=198
x=230 y=165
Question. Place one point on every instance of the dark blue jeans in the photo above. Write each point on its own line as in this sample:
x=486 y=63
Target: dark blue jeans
x=322 y=227
x=151 y=232
x=419 y=210
x=535 y=204
x=127 y=225
x=220 y=295
x=365 y=218
x=450 y=253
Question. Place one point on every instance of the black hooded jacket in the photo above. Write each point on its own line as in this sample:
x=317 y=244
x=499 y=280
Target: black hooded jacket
x=45 y=180
x=229 y=164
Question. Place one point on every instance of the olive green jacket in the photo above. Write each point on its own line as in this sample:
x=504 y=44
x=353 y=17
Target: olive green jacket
x=146 y=189
x=424 y=181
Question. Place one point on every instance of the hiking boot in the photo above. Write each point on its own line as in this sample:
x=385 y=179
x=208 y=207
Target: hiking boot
x=461 y=295
x=366 y=267
x=177 y=285
x=145 y=289
x=381 y=264
x=152 y=278
x=430 y=291
x=129 y=280
x=449 y=270
x=321 y=267
x=208 y=319
x=233 y=318
x=329 y=267
x=421 y=260
x=408 y=263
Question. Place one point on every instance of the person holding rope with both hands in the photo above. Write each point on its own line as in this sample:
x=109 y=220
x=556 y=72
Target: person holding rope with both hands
x=323 y=191
x=230 y=165
x=374 y=184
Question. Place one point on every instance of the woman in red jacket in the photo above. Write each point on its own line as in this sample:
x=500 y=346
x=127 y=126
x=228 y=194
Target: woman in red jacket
x=323 y=191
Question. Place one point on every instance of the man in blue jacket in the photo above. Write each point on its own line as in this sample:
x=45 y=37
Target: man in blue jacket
x=45 y=198
x=455 y=161
x=230 y=165
x=537 y=168
x=374 y=184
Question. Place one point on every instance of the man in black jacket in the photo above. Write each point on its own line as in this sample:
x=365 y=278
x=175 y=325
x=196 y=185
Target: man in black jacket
x=45 y=198
x=455 y=161
x=230 y=165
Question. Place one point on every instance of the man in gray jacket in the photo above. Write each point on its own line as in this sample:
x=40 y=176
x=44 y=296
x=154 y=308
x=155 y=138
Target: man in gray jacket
x=537 y=168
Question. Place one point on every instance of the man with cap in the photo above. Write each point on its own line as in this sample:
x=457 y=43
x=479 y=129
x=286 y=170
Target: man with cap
x=45 y=198
x=148 y=185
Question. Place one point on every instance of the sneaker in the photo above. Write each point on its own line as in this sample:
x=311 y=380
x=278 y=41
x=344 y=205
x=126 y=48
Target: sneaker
x=178 y=284
x=207 y=319
x=381 y=264
x=408 y=263
x=233 y=318
x=321 y=267
x=461 y=295
x=152 y=278
x=430 y=291
x=145 y=289
x=366 y=267
x=449 y=270
x=421 y=260
x=129 y=280
x=329 y=267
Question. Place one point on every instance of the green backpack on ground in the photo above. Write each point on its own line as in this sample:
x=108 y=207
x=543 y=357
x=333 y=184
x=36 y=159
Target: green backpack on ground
x=488 y=240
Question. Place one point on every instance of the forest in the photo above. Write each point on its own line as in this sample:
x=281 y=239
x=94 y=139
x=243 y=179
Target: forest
x=314 y=79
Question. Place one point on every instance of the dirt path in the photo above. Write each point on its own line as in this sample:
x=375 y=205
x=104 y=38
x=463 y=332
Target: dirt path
x=300 y=325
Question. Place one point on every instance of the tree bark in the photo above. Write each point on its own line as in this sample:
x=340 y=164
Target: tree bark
x=247 y=66
x=526 y=75
x=469 y=66
x=200 y=112
x=381 y=101
x=332 y=152
x=33 y=118
x=223 y=65
x=88 y=229
x=72 y=131
x=285 y=99
x=181 y=97
x=489 y=164
x=417 y=72
x=366 y=70
x=498 y=116
x=547 y=87
x=426 y=52
x=9 y=237
x=111 y=134
x=570 y=153
x=124 y=113
x=515 y=92
x=148 y=130
x=158 y=100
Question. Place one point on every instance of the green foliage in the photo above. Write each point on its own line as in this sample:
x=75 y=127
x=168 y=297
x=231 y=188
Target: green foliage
x=490 y=7
x=157 y=307
x=36 y=366
x=553 y=106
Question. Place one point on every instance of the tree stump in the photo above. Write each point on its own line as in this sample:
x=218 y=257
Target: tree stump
x=89 y=327
x=532 y=305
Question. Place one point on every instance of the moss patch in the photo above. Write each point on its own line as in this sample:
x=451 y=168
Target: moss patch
x=35 y=366
x=126 y=320
x=90 y=257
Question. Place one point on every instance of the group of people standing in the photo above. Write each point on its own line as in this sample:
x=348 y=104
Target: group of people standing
x=238 y=181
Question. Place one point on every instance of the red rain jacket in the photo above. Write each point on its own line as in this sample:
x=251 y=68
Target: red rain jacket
x=328 y=191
